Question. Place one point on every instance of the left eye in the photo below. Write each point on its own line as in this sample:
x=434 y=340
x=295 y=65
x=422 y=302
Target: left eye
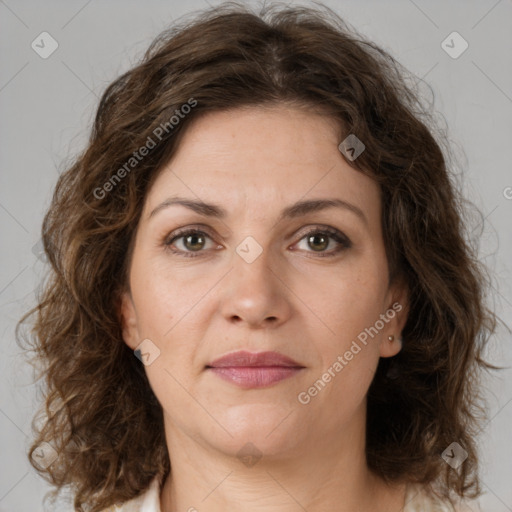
x=322 y=238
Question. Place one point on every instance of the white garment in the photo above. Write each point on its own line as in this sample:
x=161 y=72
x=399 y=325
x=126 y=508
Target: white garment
x=146 y=502
x=415 y=501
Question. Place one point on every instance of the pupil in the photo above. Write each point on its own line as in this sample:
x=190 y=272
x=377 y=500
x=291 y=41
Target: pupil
x=322 y=237
x=192 y=237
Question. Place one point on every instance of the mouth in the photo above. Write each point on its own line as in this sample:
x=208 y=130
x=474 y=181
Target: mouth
x=254 y=370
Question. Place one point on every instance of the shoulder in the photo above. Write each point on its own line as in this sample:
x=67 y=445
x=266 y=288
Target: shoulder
x=149 y=501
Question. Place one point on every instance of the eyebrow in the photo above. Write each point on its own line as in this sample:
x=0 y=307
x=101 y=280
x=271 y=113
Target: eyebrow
x=298 y=209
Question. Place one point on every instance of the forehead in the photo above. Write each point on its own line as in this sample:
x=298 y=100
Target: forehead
x=263 y=158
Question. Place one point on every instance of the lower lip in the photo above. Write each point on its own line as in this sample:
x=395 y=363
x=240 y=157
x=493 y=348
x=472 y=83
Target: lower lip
x=249 y=377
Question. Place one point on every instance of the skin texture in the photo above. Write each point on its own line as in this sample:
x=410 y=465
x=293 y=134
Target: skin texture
x=254 y=162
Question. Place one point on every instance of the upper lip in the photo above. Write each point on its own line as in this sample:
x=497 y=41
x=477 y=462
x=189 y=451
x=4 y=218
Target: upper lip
x=244 y=358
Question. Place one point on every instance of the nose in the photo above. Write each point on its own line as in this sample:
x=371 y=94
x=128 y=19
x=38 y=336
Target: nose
x=256 y=293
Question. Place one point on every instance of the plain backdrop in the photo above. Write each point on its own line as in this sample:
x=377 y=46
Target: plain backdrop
x=46 y=109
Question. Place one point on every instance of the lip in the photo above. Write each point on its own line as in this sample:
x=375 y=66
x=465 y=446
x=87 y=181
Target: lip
x=254 y=370
x=245 y=358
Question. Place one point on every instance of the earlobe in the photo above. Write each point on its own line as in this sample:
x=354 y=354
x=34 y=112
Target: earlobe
x=391 y=346
x=392 y=341
x=128 y=320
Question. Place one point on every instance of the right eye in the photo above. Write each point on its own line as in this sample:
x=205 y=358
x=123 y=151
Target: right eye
x=192 y=241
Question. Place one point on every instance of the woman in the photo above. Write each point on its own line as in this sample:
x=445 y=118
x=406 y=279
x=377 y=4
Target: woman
x=263 y=218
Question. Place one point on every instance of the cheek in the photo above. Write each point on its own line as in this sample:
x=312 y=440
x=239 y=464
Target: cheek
x=163 y=294
x=346 y=303
x=348 y=354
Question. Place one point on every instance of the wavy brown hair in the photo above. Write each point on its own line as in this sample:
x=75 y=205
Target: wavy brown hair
x=100 y=413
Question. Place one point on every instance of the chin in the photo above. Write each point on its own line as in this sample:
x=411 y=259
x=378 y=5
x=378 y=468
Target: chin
x=267 y=428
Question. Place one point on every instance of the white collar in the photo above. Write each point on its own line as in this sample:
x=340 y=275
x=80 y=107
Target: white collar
x=149 y=501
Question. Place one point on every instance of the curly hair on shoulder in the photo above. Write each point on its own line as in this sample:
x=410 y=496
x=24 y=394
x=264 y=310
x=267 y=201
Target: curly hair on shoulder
x=100 y=414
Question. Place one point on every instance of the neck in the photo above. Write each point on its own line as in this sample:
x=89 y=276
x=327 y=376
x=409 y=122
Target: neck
x=316 y=476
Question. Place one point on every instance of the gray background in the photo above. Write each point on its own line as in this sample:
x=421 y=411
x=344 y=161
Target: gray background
x=47 y=105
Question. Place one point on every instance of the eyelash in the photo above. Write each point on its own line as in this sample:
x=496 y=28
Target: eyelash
x=336 y=235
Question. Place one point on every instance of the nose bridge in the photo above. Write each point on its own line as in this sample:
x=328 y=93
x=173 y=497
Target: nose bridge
x=253 y=265
x=255 y=291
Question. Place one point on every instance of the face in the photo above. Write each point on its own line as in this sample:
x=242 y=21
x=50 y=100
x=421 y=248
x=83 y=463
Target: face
x=252 y=273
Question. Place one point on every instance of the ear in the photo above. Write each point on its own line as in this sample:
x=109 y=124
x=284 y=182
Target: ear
x=397 y=310
x=128 y=319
